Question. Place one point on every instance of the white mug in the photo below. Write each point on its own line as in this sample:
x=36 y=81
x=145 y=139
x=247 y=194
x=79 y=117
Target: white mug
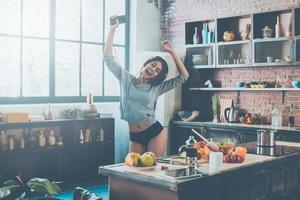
x=215 y=160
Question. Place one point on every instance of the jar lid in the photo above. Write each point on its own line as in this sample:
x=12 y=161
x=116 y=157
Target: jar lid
x=191 y=141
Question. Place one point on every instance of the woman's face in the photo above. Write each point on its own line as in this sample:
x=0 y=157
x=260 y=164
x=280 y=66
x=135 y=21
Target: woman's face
x=151 y=70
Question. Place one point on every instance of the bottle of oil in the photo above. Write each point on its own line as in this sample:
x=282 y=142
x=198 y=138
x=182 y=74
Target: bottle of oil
x=291 y=116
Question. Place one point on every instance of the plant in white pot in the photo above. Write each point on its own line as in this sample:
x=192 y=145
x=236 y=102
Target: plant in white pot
x=216 y=108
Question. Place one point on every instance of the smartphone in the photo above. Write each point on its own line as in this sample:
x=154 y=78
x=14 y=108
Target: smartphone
x=120 y=18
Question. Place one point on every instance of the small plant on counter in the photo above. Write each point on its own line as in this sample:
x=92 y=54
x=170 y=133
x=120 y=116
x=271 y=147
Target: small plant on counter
x=71 y=113
x=216 y=108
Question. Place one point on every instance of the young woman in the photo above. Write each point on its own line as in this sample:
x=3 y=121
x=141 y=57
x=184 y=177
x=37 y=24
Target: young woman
x=139 y=93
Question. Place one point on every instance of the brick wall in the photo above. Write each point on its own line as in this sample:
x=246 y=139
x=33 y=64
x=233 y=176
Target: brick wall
x=176 y=12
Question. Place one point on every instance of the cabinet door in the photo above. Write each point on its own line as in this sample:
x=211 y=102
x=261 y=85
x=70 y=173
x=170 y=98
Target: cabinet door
x=239 y=187
x=278 y=180
x=293 y=174
x=258 y=188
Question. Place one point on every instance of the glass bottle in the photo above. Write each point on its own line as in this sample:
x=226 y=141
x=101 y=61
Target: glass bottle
x=49 y=114
x=4 y=141
x=277 y=28
x=42 y=139
x=291 y=116
x=32 y=140
x=204 y=33
x=81 y=137
x=51 y=138
x=276 y=117
x=196 y=36
x=11 y=143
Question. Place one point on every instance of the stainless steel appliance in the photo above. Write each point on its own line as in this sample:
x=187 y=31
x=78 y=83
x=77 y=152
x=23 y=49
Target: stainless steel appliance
x=265 y=143
x=231 y=114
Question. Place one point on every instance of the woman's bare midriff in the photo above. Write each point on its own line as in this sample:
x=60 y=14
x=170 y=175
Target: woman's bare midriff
x=135 y=128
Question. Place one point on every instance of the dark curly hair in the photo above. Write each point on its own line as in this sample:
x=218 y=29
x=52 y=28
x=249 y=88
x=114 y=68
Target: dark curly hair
x=163 y=73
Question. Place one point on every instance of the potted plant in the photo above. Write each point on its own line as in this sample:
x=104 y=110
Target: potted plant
x=216 y=108
x=18 y=190
x=71 y=113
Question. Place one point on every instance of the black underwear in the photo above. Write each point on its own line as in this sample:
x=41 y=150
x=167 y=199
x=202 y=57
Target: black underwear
x=146 y=135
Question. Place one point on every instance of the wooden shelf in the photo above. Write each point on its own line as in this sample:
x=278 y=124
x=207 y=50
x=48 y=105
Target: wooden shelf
x=233 y=65
x=280 y=39
x=200 y=45
x=245 y=89
x=201 y=66
x=234 y=42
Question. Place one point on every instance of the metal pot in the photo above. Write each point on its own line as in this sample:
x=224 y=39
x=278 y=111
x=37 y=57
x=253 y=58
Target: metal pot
x=266 y=138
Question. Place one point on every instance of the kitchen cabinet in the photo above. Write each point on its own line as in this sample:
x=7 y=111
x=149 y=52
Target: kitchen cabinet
x=74 y=160
x=234 y=50
x=200 y=53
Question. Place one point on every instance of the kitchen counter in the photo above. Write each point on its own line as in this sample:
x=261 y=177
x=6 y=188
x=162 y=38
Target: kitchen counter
x=157 y=185
x=238 y=125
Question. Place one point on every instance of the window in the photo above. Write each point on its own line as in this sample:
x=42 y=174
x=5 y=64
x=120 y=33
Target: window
x=51 y=50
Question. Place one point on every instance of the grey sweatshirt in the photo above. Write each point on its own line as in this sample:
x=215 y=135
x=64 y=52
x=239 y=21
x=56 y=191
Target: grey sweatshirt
x=137 y=101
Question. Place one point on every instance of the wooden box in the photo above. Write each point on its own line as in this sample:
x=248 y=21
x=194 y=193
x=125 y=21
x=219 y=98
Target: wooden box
x=12 y=117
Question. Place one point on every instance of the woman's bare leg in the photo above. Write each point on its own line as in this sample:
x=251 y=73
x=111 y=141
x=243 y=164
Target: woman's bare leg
x=136 y=147
x=158 y=144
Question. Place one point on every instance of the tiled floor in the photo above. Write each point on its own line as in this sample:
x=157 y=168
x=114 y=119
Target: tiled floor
x=100 y=190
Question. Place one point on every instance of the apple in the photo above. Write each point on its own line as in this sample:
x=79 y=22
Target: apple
x=233 y=157
x=152 y=154
x=241 y=151
x=132 y=159
x=240 y=159
x=226 y=159
x=147 y=160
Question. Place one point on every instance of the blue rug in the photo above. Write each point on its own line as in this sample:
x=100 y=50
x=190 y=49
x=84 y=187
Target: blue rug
x=100 y=190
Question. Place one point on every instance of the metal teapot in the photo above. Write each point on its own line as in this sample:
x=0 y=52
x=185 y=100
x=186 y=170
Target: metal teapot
x=231 y=114
x=191 y=152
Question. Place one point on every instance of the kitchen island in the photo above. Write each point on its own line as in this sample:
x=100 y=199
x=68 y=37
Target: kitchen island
x=258 y=177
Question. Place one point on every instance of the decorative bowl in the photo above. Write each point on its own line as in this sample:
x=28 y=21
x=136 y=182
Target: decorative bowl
x=240 y=84
x=226 y=145
x=296 y=84
x=228 y=36
x=188 y=116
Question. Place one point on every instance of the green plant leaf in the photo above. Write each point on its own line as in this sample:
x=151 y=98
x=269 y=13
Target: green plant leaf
x=43 y=186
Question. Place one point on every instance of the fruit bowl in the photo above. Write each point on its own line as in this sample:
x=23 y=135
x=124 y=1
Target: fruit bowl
x=188 y=116
x=226 y=145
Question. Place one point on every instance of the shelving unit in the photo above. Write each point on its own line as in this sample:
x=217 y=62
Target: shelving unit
x=245 y=89
x=276 y=49
x=238 y=90
x=283 y=50
x=71 y=161
x=252 y=51
x=235 y=53
x=205 y=50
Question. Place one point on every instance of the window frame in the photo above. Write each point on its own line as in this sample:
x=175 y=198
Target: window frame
x=66 y=99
